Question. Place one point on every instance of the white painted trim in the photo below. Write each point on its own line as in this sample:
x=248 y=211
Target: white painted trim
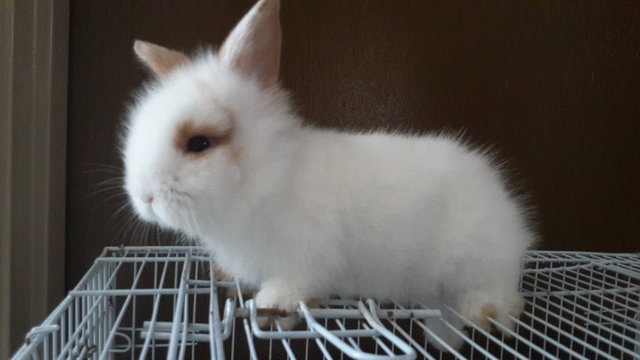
x=6 y=79
x=33 y=99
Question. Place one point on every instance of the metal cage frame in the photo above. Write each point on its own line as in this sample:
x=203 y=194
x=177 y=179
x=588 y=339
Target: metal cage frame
x=579 y=305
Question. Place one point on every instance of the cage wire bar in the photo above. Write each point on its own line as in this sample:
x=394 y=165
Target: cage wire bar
x=166 y=303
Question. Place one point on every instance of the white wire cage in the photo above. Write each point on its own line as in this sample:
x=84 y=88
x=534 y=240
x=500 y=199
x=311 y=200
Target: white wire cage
x=166 y=303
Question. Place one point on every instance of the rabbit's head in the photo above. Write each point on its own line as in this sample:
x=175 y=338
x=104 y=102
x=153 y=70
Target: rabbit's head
x=211 y=132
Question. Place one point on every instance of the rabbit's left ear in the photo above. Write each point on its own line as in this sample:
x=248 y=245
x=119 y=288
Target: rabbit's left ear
x=253 y=47
x=159 y=59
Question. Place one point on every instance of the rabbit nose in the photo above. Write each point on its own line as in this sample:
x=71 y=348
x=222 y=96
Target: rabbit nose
x=148 y=199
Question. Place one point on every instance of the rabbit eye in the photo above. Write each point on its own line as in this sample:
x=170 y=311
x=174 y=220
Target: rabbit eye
x=198 y=144
x=198 y=140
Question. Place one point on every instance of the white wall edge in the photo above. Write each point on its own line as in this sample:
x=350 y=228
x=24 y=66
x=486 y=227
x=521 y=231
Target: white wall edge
x=33 y=113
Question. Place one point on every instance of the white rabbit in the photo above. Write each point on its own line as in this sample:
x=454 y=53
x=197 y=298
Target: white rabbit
x=213 y=149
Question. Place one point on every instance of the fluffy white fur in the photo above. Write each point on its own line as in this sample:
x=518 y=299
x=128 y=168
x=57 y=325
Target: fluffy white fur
x=307 y=213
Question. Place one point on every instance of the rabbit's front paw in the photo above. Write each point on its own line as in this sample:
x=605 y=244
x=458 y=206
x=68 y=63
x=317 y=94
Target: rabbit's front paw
x=278 y=305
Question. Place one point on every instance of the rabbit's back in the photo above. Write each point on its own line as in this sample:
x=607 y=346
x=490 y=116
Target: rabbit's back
x=407 y=209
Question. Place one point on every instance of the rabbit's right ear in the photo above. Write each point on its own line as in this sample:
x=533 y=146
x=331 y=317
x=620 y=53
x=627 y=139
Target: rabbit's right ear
x=159 y=59
x=253 y=46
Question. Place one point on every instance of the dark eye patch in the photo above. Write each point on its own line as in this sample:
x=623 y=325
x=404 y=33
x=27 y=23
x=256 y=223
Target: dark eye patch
x=199 y=140
x=200 y=143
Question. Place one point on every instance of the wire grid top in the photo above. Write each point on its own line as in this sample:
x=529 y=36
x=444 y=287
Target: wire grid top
x=166 y=302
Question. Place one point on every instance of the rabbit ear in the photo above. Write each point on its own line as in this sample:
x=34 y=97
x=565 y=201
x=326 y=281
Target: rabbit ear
x=253 y=47
x=159 y=59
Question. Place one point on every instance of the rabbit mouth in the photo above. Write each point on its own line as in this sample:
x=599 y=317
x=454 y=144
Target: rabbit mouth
x=145 y=210
x=174 y=209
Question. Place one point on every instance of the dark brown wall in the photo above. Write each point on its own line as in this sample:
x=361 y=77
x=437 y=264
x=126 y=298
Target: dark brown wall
x=554 y=85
